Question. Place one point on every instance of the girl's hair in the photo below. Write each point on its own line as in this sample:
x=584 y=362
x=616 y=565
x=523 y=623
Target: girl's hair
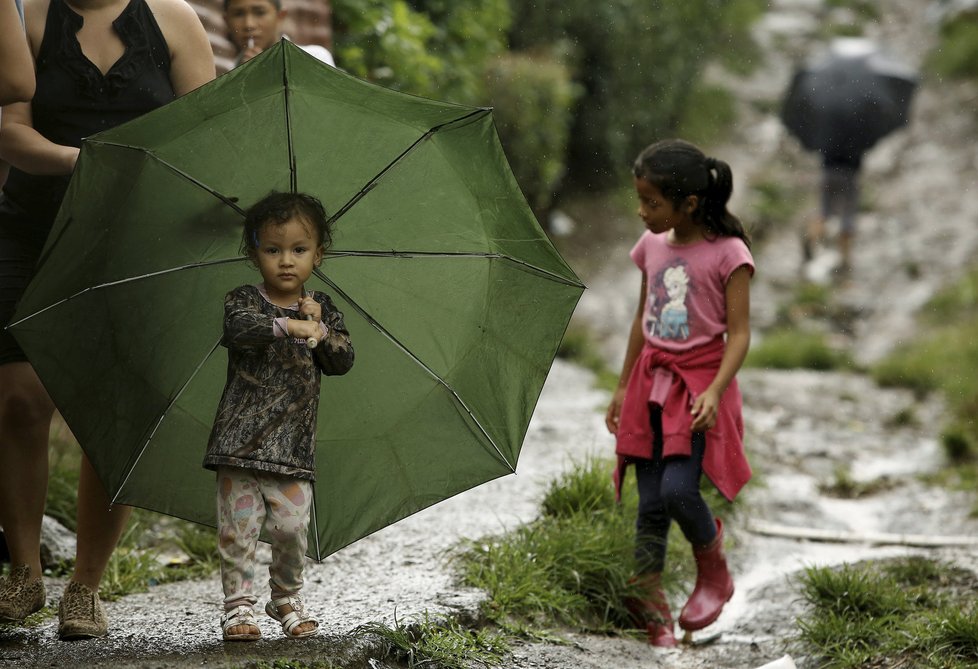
x=278 y=209
x=679 y=169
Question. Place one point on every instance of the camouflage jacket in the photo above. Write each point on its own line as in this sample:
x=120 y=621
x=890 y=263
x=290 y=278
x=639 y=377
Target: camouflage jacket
x=266 y=419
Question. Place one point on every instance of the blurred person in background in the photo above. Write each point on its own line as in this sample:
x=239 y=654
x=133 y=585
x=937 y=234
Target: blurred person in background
x=255 y=25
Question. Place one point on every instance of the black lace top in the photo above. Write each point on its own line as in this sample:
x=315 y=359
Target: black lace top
x=75 y=100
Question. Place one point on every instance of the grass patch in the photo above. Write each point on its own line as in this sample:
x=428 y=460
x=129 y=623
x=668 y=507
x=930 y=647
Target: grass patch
x=944 y=358
x=795 y=349
x=844 y=486
x=956 y=54
x=903 y=612
x=290 y=664
x=571 y=567
x=439 y=641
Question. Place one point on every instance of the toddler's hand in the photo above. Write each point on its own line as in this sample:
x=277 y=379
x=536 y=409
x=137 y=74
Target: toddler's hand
x=309 y=307
x=305 y=329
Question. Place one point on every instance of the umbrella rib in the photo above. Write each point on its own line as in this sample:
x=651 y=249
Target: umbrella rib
x=231 y=202
x=380 y=328
x=372 y=183
x=131 y=466
x=288 y=124
x=128 y=279
x=449 y=254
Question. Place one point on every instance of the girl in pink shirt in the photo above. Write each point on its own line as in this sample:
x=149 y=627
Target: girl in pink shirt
x=677 y=411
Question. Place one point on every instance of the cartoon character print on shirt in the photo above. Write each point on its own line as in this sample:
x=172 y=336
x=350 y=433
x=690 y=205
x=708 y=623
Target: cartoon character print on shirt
x=666 y=314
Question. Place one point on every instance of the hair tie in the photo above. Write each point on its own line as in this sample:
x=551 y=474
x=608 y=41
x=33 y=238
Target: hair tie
x=711 y=163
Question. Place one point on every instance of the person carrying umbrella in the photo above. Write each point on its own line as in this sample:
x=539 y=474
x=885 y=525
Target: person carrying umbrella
x=98 y=64
x=840 y=105
x=262 y=445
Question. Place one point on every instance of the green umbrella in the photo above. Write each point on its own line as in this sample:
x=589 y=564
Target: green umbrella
x=454 y=297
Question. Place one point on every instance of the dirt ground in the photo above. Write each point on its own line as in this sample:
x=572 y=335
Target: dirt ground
x=802 y=426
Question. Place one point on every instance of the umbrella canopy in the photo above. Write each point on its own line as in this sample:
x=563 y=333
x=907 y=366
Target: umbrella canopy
x=454 y=297
x=848 y=99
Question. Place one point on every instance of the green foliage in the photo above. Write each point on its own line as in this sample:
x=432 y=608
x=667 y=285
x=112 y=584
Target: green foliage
x=795 y=349
x=571 y=567
x=956 y=55
x=865 y=9
x=432 y=48
x=774 y=205
x=905 y=612
x=710 y=114
x=638 y=62
x=440 y=642
x=283 y=663
x=532 y=96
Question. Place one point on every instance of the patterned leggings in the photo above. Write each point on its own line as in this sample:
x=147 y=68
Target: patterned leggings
x=247 y=501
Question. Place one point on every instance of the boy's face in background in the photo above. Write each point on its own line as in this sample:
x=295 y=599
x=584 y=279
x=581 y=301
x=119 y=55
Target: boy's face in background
x=256 y=20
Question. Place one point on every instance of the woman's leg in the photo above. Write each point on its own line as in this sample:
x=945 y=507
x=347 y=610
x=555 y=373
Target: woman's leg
x=80 y=612
x=100 y=525
x=25 y=422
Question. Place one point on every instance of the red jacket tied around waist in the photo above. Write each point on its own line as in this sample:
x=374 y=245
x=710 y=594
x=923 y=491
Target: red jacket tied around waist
x=673 y=381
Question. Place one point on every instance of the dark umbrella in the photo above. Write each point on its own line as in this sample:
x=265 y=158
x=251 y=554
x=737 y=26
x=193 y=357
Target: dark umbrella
x=845 y=101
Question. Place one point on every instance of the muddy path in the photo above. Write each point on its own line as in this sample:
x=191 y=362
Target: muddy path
x=802 y=426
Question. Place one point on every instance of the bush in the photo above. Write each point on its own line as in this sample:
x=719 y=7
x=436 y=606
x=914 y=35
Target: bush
x=532 y=96
x=957 y=53
x=794 y=349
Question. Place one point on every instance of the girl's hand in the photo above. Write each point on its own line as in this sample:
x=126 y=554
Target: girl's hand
x=309 y=307
x=704 y=411
x=613 y=415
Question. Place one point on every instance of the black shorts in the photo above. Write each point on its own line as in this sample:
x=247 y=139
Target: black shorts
x=20 y=247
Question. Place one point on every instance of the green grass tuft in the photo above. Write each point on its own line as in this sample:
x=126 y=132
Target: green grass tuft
x=794 y=349
x=439 y=642
x=911 y=612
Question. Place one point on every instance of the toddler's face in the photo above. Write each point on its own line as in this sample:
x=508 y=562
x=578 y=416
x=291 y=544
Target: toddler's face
x=286 y=256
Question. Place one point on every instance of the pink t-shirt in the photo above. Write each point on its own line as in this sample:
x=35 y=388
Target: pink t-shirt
x=686 y=305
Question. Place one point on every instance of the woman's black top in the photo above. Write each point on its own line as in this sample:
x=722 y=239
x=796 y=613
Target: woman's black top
x=75 y=100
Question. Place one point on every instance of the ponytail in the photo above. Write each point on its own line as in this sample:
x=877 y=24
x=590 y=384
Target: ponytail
x=679 y=169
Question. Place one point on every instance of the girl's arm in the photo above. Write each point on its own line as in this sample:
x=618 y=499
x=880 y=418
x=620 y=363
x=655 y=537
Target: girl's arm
x=737 y=293
x=191 y=57
x=16 y=64
x=636 y=340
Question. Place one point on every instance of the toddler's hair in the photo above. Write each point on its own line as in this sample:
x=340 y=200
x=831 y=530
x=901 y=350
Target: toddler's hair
x=680 y=169
x=278 y=209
